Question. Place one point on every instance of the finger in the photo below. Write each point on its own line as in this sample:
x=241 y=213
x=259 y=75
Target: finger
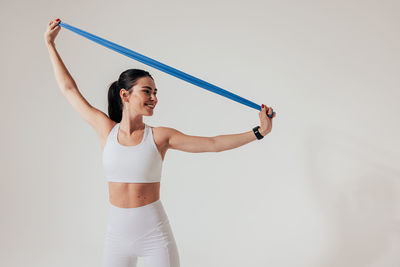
x=265 y=111
x=269 y=111
x=54 y=23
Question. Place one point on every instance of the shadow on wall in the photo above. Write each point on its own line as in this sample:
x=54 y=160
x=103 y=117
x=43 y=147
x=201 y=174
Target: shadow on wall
x=357 y=188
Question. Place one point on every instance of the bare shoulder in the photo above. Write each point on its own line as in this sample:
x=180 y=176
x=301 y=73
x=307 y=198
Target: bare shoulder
x=166 y=136
x=161 y=134
x=165 y=133
x=162 y=130
x=103 y=128
x=161 y=137
x=107 y=127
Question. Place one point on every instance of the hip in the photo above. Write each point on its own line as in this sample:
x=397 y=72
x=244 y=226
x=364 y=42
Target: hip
x=131 y=223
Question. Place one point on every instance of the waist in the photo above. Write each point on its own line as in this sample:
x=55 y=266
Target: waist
x=137 y=180
x=133 y=195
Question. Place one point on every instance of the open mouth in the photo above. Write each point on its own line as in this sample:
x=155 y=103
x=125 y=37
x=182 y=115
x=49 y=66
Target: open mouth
x=149 y=106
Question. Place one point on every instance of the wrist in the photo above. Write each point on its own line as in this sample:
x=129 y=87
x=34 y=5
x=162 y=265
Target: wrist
x=50 y=43
x=257 y=132
x=263 y=133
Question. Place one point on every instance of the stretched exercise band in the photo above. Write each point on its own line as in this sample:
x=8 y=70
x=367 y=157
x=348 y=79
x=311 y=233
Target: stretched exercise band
x=158 y=65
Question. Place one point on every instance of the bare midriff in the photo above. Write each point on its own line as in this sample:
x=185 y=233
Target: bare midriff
x=133 y=195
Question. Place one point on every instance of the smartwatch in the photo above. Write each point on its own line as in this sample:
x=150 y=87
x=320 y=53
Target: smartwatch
x=257 y=133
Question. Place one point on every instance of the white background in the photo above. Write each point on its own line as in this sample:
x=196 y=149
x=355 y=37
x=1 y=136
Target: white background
x=321 y=190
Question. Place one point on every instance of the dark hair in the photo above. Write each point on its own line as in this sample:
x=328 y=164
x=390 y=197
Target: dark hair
x=126 y=80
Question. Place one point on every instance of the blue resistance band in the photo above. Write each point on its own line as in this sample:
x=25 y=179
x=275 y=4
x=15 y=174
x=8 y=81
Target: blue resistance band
x=167 y=69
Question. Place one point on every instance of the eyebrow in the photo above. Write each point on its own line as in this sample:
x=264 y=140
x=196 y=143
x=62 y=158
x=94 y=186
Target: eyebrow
x=155 y=89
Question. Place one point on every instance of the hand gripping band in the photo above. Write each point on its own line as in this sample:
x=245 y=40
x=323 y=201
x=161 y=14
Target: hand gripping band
x=158 y=65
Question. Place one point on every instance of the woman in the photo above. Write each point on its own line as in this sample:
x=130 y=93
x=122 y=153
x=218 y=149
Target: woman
x=133 y=153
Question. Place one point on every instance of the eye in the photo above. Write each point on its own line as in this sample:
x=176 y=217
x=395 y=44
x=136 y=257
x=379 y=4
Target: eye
x=148 y=91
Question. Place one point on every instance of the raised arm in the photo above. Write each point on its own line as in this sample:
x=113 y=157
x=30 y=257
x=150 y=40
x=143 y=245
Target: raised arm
x=63 y=77
x=96 y=118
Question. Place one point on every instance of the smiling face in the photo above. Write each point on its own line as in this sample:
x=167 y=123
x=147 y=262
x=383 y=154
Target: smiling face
x=142 y=98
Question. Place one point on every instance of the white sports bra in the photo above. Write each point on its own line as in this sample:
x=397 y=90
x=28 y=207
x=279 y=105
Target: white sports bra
x=132 y=164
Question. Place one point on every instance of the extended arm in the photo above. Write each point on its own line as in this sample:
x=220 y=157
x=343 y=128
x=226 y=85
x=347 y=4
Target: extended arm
x=181 y=141
x=196 y=144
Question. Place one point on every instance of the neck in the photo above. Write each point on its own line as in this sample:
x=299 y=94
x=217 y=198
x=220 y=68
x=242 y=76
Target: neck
x=131 y=124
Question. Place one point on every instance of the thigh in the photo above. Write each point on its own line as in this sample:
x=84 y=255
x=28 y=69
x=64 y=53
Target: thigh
x=115 y=260
x=160 y=247
x=117 y=251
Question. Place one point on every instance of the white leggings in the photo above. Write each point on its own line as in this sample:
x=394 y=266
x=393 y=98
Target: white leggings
x=139 y=232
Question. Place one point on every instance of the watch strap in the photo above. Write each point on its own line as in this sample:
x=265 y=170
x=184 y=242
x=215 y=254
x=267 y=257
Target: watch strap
x=257 y=133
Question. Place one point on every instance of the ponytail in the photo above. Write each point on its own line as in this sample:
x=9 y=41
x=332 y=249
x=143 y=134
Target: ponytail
x=114 y=103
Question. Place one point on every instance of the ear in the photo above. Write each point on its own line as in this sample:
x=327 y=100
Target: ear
x=124 y=94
